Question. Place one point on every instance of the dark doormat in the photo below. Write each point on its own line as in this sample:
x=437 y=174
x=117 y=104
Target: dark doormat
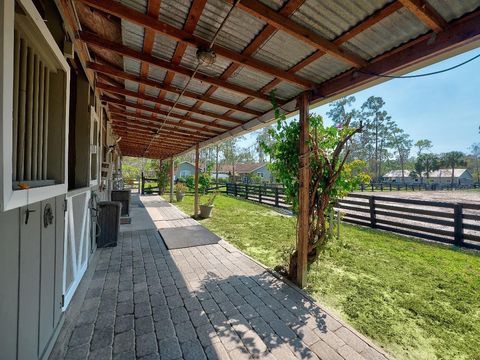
x=187 y=236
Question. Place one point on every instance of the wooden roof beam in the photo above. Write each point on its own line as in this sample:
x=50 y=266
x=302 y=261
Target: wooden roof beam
x=371 y=20
x=139 y=18
x=284 y=23
x=426 y=13
x=95 y=40
x=125 y=92
x=110 y=70
x=158 y=121
x=154 y=126
x=460 y=33
x=174 y=134
x=164 y=113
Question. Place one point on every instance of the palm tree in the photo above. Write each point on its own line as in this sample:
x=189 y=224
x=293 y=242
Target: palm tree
x=425 y=164
x=452 y=159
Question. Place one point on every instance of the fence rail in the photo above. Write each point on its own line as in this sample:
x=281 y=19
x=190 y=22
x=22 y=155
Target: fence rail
x=264 y=194
x=452 y=223
x=413 y=187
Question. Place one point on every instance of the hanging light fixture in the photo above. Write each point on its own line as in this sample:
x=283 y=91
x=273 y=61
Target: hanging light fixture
x=206 y=57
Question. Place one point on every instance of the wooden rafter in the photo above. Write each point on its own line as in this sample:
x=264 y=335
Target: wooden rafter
x=270 y=16
x=97 y=41
x=158 y=121
x=125 y=92
x=459 y=33
x=426 y=13
x=288 y=9
x=164 y=113
x=153 y=10
x=173 y=133
x=371 y=20
x=110 y=70
x=185 y=37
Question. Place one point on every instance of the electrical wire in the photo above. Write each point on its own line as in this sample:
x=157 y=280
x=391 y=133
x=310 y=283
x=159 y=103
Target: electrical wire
x=212 y=42
x=420 y=75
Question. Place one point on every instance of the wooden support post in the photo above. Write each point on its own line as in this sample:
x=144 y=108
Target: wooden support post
x=373 y=218
x=171 y=179
x=458 y=224
x=303 y=194
x=196 y=201
x=142 y=185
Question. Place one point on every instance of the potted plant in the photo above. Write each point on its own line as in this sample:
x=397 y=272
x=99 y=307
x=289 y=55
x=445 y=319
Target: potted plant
x=180 y=191
x=206 y=208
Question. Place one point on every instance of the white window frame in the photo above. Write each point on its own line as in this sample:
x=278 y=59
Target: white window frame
x=95 y=148
x=9 y=198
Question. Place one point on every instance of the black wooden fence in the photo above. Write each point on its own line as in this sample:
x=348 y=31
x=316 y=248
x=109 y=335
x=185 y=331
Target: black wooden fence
x=452 y=223
x=264 y=194
x=413 y=187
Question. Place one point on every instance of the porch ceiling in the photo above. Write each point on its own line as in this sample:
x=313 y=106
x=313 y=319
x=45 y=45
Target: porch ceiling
x=143 y=54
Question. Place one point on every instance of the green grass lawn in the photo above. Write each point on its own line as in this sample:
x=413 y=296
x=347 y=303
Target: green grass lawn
x=417 y=300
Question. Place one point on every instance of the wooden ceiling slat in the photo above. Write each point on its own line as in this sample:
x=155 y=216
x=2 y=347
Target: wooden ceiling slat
x=185 y=37
x=97 y=41
x=164 y=113
x=426 y=13
x=125 y=92
x=270 y=16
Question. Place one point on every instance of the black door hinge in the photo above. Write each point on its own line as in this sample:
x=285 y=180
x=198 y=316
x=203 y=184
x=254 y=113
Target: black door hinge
x=63 y=301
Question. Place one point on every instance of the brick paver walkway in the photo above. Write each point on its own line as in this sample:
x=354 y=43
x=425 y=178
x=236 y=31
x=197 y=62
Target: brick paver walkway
x=212 y=301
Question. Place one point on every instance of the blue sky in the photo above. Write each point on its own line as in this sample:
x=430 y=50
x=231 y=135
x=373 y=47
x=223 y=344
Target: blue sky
x=444 y=108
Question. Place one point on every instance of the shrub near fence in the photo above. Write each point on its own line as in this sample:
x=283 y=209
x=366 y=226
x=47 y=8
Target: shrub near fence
x=452 y=223
x=264 y=194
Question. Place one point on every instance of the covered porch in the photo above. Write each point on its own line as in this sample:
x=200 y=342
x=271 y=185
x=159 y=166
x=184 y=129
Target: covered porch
x=140 y=299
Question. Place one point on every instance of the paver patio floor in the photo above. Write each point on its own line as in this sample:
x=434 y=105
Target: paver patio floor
x=146 y=302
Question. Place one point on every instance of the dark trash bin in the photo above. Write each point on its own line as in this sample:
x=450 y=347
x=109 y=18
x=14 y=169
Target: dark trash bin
x=108 y=223
x=122 y=196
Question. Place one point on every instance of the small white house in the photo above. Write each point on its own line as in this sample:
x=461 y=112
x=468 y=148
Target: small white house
x=395 y=177
x=444 y=176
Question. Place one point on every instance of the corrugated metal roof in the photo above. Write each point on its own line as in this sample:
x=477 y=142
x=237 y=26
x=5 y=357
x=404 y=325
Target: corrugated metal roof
x=228 y=96
x=139 y=5
x=174 y=12
x=323 y=68
x=328 y=18
x=332 y=18
x=250 y=79
x=453 y=9
x=239 y=30
x=132 y=35
x=163 y=47
x=401 y=27
x=283 y=51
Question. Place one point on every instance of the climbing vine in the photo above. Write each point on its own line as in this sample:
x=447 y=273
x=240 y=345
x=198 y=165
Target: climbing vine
x=332 y=176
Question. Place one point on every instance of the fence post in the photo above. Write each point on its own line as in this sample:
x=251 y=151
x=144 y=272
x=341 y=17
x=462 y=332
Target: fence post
x=373 y=219
x=246 y=191
x=372 y=188
x=276 y=196
x=260 y=194
x=235 y=189
x=362 y=186
x=458 y=224
x=143 y=185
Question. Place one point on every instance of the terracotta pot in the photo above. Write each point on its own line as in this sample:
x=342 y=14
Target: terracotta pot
x=180 y=196
x=206 y=211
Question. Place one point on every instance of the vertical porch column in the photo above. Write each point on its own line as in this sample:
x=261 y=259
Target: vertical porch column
x=171 y=179
x=196 y=205
x=303 y=194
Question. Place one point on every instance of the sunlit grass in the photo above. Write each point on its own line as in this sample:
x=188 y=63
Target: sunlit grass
x=417 y=300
